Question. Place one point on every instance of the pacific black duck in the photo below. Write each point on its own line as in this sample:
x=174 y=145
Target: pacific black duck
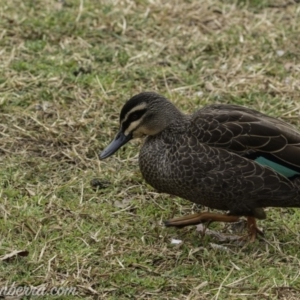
x=225 y=157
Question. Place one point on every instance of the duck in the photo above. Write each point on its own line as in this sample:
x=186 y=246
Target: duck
x=223 y=156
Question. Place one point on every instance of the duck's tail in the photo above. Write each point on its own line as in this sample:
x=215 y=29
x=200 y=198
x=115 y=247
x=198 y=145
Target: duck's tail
x=296 y=183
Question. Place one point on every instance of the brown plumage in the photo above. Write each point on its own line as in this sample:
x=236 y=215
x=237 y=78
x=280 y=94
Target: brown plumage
x=225 y=157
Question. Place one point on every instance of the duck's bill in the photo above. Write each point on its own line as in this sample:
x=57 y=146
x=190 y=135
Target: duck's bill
x=119 y=140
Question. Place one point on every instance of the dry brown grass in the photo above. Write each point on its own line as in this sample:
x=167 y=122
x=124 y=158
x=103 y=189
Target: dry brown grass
x=67 y=68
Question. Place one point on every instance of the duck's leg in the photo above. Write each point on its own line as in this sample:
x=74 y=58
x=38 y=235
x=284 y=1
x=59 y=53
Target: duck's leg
x=200 y=218
x=253 y=229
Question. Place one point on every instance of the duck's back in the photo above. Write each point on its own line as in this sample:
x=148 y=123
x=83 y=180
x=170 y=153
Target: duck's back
x=250 y=134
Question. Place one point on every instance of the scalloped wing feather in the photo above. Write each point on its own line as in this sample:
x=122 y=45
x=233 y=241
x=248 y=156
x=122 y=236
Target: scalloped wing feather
x=246 y=132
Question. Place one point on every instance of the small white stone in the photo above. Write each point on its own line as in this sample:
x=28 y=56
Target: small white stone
x=199 y=93
x=176 y=242
x=219 y=247
x=280 y=52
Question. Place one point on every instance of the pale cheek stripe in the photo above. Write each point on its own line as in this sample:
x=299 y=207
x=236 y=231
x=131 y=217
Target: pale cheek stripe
x=132 y=126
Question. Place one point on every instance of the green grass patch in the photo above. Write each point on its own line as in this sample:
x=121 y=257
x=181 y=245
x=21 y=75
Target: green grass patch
x=67 y=67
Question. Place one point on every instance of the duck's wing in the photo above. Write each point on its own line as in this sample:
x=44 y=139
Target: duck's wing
x=268 y=141
x=236 y=182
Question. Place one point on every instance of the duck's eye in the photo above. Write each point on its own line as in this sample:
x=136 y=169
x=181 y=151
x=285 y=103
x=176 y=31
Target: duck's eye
x=134 y=117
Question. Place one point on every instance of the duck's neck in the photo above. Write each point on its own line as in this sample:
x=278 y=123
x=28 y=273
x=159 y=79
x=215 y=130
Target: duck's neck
x=170 y=117
x=174 y=115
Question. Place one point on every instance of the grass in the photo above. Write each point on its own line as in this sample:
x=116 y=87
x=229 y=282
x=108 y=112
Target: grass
x=66 y=69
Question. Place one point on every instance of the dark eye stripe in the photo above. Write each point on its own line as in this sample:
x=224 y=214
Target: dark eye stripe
x=135 y=115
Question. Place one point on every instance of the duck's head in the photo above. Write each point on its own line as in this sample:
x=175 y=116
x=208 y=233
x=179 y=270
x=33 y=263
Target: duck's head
x=144 y=114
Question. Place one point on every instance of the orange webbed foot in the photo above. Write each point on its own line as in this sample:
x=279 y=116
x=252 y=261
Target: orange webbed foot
x=253 y=230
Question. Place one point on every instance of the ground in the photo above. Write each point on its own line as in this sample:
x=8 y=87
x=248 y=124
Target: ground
x=66 y=69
